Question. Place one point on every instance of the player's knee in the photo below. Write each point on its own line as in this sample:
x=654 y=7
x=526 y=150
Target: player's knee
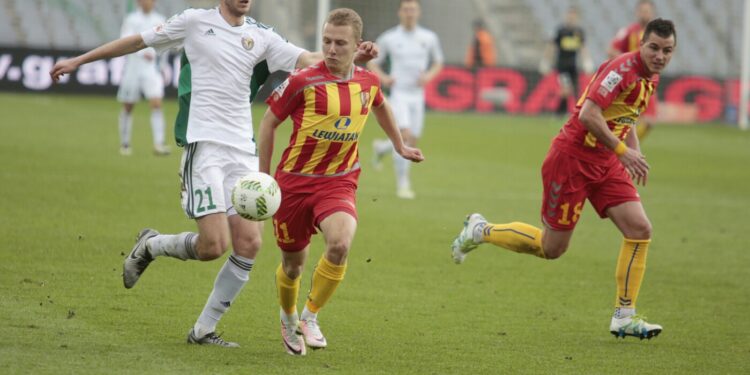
x=639 y=231
x=554 y=251
x=211 y=249
x=338 y=250
x=247 y=246
x=293 y=269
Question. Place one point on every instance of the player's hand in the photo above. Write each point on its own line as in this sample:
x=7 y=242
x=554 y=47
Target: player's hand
x=422 y=80
x=366 y=52
x=636 y=165
x=411 y=153
x=63 y=67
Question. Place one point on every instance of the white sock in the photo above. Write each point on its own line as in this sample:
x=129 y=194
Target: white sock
x=383 y=146
x=623 y=312
x=401 y=167
x=126 y=127
x=157 y=126
x=180 y=246
x=308 y=315
x=229 y=282
x=288 y=319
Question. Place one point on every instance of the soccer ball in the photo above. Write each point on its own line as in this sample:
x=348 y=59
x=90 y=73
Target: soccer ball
x=256 y=196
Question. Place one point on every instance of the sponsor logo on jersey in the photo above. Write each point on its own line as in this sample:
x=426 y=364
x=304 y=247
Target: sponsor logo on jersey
x=342 y=123
x=210 y=32
x=248 y=43
x=279 y=91
x=611 y=81
x=335 y=136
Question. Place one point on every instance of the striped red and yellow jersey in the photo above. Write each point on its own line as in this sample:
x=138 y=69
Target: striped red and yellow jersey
x=628 y=39
x=328 y=114
x=622 y=88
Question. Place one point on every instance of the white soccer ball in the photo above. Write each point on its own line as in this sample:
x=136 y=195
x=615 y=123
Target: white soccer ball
x=256 y=196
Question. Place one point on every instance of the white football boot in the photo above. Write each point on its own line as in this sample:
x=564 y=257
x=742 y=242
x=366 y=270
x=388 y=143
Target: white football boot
x=635 y=326
x=138 y=259
x=469 y=238
x=310 y=330
x=293 y=342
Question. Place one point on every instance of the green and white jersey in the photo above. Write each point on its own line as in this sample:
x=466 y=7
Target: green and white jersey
x=222 y=59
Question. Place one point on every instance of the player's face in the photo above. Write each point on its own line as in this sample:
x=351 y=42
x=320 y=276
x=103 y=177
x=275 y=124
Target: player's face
x=146 y=5
x=571 y=18
x=409 y=13
x=657 y=51
x=238 y=7
x=339 y=47
x=644 y=13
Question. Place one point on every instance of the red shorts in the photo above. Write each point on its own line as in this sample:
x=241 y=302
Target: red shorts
x=306 y=201
x=569 y=181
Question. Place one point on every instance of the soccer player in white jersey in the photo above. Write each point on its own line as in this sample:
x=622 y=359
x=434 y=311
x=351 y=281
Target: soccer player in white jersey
x=142 y=75
x=222 y=46
x=415 y=58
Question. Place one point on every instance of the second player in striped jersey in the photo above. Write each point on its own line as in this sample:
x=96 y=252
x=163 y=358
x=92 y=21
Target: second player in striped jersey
x=328 y=104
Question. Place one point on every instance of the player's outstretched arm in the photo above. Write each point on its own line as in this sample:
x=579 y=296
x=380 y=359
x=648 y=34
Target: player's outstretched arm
x=384 y=115
x=119 y=47
x=266 y=136
x=592 y=118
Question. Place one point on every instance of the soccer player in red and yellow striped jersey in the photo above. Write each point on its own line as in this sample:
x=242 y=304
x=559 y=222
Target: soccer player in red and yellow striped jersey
x=596 y=156
x=628 y=39
x=328 y=104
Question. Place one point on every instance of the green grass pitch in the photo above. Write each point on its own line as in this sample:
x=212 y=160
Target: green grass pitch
x=71 y=205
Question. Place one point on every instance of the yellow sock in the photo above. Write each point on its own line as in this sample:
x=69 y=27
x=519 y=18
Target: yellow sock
x=642 y=128
x=288 y=290
x=519 y=237
x=631 y=265
x=326 y=278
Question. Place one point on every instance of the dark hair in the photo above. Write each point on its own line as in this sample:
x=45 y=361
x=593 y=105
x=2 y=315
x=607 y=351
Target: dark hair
x=661 y=27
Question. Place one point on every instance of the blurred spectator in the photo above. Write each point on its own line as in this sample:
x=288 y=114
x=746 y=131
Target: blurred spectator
x=481 y=52
x=567 y=43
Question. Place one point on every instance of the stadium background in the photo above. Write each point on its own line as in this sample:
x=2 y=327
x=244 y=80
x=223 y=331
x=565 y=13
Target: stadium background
x=701 y=84
x=70 y=206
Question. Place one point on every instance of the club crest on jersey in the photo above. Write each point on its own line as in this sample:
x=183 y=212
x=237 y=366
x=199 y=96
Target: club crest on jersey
x=248 y=43
x=342 y=123
x=611 y=81
x=364 y=96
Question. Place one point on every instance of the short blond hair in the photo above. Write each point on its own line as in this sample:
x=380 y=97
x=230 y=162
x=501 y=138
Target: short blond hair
x=346 y=17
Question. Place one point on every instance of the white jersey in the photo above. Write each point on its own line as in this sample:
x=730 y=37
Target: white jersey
x=222 y=58
x=136 y=23
x=411 y=53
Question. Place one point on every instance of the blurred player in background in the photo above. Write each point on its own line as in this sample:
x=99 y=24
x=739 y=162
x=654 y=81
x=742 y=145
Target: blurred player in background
x=481 y=52
x=328 y=103
x=415 y=58
x=142 y=75
x=596 y=156
x=223 y=48
x=628 y=39
x=567 y=44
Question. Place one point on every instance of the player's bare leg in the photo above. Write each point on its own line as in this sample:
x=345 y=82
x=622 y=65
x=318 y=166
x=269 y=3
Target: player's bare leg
x=338 y=230
x=630 y=218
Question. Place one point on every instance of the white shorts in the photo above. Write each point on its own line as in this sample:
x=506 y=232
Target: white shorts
x=408 y=109
x=148 y=82
x=208 y=173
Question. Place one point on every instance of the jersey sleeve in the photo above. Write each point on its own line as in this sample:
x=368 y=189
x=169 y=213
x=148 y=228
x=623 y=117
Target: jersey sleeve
x=286 y=98
x=436 y=53
x=169 y=35
x=281 y=55
x=609 y=83
x=379 y=98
